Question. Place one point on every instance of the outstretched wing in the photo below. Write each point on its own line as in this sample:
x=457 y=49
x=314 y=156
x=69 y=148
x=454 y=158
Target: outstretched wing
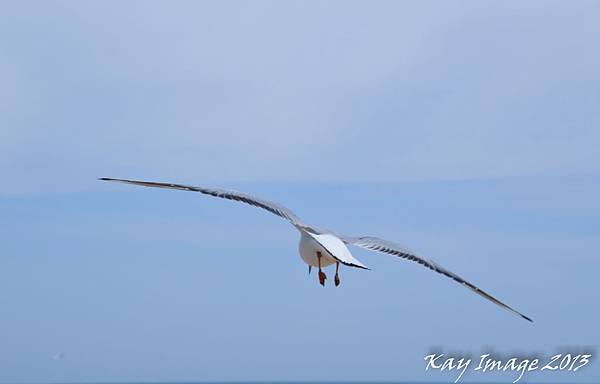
x=274 y=208
x=384 y=246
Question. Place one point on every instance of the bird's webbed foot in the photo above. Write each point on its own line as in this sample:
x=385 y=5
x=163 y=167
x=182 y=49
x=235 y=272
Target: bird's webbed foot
x=322 y=278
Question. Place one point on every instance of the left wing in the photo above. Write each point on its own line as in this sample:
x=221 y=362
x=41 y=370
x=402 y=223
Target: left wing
x=384 y=246
x=228 y=194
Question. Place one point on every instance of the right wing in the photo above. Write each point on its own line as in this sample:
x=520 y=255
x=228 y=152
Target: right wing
x=384 y=246
x=337 y=249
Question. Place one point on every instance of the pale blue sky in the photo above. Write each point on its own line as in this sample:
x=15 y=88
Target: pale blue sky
x=467 y=131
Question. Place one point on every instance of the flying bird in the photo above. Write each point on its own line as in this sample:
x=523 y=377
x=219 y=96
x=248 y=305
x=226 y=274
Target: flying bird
x=321 y=248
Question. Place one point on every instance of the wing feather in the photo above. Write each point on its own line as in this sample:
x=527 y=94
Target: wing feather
x=384 y=246
x=270 y=206
x=337 y=249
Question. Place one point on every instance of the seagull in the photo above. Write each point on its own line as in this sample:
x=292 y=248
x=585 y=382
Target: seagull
x=321 y=248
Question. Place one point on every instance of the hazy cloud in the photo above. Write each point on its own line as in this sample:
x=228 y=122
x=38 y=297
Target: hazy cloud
x=296 y=91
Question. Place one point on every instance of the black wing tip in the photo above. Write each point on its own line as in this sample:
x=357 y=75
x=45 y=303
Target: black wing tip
x=526 y=318
x=111 y=179
x=353 y=265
